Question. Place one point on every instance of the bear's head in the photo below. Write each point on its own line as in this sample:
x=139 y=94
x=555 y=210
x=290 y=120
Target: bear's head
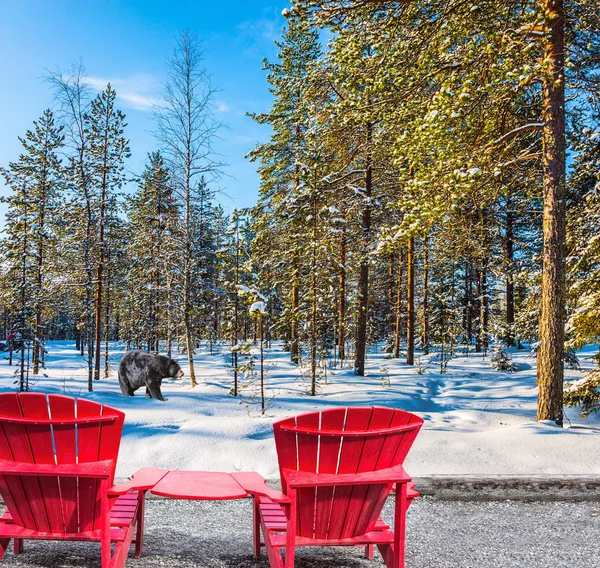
x=174 y=370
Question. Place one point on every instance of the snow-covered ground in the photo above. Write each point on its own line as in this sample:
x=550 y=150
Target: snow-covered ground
x=477 y=420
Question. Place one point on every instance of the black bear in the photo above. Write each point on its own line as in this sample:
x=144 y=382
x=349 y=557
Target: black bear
x=138 y=368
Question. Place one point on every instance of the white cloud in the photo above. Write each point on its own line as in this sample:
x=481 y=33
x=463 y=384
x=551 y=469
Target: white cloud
x=222 y=106
x=137 y=92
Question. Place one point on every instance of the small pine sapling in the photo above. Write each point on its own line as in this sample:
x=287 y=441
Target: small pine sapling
x=501 y=359
x=419 y=368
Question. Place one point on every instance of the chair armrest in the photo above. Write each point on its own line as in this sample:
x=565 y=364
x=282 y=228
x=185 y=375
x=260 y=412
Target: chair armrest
x=141 y=480
x=395 y=474
x=255 y=484
x=98 y=470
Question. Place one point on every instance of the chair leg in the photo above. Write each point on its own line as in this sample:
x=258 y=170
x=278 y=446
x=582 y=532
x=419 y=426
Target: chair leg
x=400 y=526
x=290 y=533
x=139 y=534
x=18 y=545
x=256 y=526
x=4 y=542
x=369 y=551
x=105 y=526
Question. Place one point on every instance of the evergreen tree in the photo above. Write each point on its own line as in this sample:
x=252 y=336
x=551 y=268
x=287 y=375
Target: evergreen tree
x=36 y=179
x=104 y=126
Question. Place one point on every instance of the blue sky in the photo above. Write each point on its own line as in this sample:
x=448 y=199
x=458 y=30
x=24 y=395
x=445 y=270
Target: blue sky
x=126 y=42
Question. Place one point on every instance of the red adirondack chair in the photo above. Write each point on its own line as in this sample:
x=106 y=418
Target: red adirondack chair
x=337 y=469
x=57 y=466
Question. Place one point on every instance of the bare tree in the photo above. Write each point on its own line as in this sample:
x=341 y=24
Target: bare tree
x=72 y=95
x=186 y=129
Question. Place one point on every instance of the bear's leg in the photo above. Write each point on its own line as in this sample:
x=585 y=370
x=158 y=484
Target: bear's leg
x=154 y=390
x=148 y=395
x=126 y=390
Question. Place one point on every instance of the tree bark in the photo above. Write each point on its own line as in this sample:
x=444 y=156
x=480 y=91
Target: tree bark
x=485 y=310
x=363 y=279
x=410 y=303
x=342 y=300
x=550 y=369
x=510 y=277
x=399 y=287
x=295 y=297
x=478 y=320
x=426 y=295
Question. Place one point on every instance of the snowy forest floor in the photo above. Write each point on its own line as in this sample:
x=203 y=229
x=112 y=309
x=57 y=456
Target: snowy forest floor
x=477 y=420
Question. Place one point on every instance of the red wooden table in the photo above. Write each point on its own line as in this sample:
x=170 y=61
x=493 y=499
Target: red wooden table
x=204 y=485
x=199 y=485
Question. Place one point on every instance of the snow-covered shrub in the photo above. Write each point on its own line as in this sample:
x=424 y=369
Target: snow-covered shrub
x=419 y=368
x=501 y=359
x=584 y=393
x=384 y=379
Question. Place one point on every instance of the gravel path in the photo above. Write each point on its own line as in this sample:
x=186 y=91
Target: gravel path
x=441 y=534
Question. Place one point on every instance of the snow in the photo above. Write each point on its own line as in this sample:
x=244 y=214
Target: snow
x=477 y=420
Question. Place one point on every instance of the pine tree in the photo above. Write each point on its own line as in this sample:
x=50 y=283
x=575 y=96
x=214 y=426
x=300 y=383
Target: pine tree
x=108 y=149
x=37 y=181
x=279 y=158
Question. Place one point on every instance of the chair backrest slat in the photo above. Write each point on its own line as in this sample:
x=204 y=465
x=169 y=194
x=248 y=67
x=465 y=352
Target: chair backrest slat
x=56 y=430
x=11 y=487
x=20 y=448
x=88 y=438
x=354 y=440
x=35 y=406
x=329 y=455
x=65 y=446
x=287 y=449
x=308 y=452
x=350 y=456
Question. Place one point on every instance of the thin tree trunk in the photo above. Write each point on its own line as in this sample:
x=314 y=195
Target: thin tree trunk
x=478 y=325
x=313 y=318
x=295 y=298
x=107 y=325
x=363 y=279
x=485 y=310
x=391 y=296
x=262 y=366
x=510 y=277
x=410 y=304
x=426 y=295
x=550 y=369
x=39 y=331
x=399 y=288
x=236 y=309
x=468 y=307
x=342 y=300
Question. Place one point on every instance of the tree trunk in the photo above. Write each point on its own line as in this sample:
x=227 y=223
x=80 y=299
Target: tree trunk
x=399 y=287
x=410 y=303
x=550 y=369
x=426 y=295
x=107 y=326
x=295 y=297
x=314 y=300
x=363 y=279
x=468 y=306
x=485 y=310
x=391 y=296
x=478 y=319
x=510 y=277
x=342 y=300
